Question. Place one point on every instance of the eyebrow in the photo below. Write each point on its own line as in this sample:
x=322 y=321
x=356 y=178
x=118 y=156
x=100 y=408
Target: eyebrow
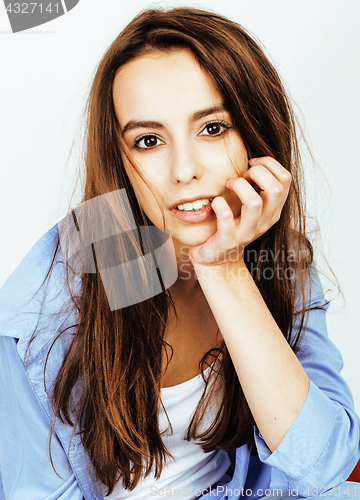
x=133 y=124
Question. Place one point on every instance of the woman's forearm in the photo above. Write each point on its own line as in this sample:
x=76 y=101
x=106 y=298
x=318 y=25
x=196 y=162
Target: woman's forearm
x=273 y=380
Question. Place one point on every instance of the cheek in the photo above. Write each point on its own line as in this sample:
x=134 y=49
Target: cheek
x=228 y=157
x=144 y=195
x=137 y=183
x=237 y=152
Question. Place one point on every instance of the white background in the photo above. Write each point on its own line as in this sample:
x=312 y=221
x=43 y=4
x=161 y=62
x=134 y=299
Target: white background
x=314 y=44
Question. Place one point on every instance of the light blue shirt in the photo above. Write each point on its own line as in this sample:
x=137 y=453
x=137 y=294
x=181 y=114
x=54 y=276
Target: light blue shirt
x=319 y=451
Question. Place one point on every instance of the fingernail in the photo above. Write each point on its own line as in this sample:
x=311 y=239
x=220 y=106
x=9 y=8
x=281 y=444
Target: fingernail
x=253 y=160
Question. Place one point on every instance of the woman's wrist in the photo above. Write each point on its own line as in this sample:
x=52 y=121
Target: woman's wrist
x=231 y=271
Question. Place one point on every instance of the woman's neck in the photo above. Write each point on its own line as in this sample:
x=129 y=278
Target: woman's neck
x=191 y=335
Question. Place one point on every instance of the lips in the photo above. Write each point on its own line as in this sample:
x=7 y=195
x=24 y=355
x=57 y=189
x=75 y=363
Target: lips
x=192 y=217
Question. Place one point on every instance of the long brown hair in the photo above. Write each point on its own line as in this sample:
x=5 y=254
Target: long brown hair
x=116 y=355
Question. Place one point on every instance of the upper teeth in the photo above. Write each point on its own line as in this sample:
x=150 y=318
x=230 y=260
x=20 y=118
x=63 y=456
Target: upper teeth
x=195 y=205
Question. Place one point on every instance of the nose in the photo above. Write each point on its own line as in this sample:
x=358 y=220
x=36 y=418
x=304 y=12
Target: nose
x=185 y=162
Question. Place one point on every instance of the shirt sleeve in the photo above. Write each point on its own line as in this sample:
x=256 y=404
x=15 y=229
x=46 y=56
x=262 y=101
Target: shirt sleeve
x=25 y=467
x=26 y=471
x=321 y=448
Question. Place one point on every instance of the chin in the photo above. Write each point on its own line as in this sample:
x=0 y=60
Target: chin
x=194 y=237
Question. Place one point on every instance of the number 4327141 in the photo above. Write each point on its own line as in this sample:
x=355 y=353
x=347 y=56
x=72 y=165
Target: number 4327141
x=29 y=8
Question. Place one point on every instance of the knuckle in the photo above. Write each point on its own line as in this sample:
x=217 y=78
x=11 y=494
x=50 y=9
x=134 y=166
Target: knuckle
x=286 y=177
x=277 y=216
x=255 y=204
x=227 y=214
x=277 y=191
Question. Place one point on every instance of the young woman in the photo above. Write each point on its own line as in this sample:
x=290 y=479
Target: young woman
x=223 y=383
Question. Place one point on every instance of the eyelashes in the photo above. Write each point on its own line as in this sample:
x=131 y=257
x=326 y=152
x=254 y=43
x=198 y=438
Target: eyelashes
x=151 y=141
x=150 y=138
x=220 y=124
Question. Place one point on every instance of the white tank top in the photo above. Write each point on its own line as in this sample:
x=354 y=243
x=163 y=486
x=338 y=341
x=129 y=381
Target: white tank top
x=193 y=470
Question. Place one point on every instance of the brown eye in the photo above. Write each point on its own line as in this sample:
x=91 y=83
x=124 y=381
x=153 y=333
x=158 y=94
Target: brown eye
x=147 y=142
x=215 y=129
x=150 y=141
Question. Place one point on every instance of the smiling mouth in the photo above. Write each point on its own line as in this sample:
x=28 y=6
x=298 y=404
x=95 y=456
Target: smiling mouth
x=194 y=216
x=196 y=206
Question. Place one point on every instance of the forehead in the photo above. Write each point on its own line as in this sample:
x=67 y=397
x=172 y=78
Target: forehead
x=163 y=85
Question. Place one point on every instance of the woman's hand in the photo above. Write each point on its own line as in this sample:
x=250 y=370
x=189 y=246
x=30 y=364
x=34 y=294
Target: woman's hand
x=262 y=190
x=272 y=378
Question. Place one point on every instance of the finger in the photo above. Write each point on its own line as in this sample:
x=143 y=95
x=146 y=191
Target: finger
x=224 y=238
x=251 y=210
x=272 y=192
x=280 y=172
x=225 y=221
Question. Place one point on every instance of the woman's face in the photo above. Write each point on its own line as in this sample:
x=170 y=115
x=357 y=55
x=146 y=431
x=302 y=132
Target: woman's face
x=177 y=132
